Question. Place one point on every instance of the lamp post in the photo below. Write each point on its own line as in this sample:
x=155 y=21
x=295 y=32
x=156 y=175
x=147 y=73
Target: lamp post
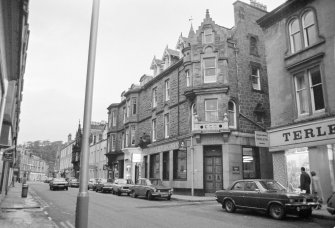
x=82 y=198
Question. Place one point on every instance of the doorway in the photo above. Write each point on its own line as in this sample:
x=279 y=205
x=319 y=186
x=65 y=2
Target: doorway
x=213 y=180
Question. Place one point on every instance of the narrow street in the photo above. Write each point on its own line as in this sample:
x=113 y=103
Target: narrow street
x=107 y=210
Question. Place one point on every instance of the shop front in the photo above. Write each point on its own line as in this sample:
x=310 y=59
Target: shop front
x=310 y=145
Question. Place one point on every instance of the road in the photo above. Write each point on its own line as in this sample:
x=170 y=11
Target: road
x=107 y=210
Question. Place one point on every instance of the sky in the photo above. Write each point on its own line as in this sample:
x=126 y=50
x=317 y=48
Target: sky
x=130 y=34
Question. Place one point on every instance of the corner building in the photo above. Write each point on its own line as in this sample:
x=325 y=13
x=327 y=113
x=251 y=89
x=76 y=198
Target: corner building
x=192 y=123
x=299 y=40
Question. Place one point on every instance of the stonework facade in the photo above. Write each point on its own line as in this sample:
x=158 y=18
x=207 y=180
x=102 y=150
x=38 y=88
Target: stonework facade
x=299 y=40
x=194 y=121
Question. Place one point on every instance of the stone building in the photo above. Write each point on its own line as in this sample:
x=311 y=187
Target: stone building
x=192 y=124
x=65 y=158
x=14 y=36
x=299 y=40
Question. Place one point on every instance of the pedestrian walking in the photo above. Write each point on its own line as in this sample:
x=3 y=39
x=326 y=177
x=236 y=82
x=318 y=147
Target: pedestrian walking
x=305 y=181
x=317 y=189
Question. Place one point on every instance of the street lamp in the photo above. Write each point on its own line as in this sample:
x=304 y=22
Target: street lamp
x=82 y=198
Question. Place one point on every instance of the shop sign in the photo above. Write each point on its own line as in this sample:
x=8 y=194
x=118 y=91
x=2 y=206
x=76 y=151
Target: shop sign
x=261 y=139
x=137 y=158
x=304 y=135
x=236 y=170
x=8 y=154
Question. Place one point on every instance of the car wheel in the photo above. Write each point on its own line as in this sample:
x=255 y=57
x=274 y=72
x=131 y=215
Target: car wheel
x=229 y=206
x=96 y=189
x=305 y=213
x=51 y=188
x=133 y=194
x=149 y=195
x=119 y=193
x=168 y=198
x=276 y=211
x=67 y=189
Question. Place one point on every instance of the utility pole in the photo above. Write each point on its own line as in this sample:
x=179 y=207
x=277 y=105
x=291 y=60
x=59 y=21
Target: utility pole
x=82 y=198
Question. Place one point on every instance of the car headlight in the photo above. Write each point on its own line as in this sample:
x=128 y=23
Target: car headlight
x=158 y=190
x=291 y=200
x=155 y=190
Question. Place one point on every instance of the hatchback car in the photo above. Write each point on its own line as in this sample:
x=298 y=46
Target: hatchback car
x=91 y=183
x=150 y=188
x=331 y=204
x=121 y=186
x=103 y=186
x=74 y=183
x=265 y=195
x=58 y=183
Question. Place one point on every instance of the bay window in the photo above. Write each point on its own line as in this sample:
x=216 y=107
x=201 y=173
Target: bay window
x=211 y=110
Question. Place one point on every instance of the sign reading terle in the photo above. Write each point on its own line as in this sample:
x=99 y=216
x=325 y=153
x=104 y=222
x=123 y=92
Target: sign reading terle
x=8 y=154
x=261 y=139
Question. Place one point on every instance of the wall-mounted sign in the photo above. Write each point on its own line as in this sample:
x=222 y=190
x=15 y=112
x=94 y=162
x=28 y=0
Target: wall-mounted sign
x=261 y=139
x=8 y=154
x=303 y=135
x=137 y=158
x=236 y=169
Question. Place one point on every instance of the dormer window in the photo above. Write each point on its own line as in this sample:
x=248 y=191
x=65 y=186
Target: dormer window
x=208 y=36
x=166 y=62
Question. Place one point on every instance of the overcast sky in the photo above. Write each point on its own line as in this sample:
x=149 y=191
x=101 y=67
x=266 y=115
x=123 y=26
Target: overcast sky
x=130 y=33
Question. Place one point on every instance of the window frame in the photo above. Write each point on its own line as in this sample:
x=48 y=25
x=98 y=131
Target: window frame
x=234 y=113
x=310 y=96
x=154 y=97
x=113 y=142
x=256 y=77
x=209 y=78
x=166 y=125
x=134 y=105
x=132 y=135
x=292 y=34
x=178 y=164
x=188 y=79
x=307 y=42
x=166 y=165
x=167 y=89
x=207 y=119
x=208 y=32
x=154 y=130
x=114 y=118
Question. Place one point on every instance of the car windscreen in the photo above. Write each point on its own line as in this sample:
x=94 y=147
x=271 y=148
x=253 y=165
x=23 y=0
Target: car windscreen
x=59 y=179
x=272 y=185
x=156 y=181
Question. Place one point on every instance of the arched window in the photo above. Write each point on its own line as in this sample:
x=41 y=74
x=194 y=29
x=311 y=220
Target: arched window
x=232 y=114
x=309 y=28
x=295 y=36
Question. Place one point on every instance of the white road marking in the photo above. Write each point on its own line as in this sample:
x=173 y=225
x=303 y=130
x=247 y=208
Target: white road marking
x=45 y=212
x=50 y=218
x=63 y=225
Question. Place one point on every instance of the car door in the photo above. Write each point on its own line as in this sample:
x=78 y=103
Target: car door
x=237 y=193
x=251 y=194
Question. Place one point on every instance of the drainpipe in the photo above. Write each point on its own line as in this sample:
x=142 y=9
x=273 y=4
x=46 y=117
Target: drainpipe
x=192 y=166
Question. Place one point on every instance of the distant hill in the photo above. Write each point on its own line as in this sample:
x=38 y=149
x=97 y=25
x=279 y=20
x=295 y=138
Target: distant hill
x=45 y=149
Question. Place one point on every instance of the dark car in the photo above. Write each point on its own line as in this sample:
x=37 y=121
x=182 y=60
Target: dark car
x=331 y=204
x=74 y=183
x=265 y=195
x=103 y=186
x=121 y=186
x=58 y=183
x=150 y=188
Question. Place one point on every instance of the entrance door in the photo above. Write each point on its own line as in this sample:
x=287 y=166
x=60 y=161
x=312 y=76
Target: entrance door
x=213 y=169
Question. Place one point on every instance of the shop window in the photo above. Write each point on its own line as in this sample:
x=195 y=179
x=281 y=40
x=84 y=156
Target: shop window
x=166 y=164
x=309 y=91
x=154 y=166
x=211 y=110
x=180 y=164
x=250 y=161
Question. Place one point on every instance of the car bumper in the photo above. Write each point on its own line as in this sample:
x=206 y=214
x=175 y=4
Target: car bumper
x=161 y=194
x=107 y=188
x=59 y=186
x=296 y=207
x=124 y=190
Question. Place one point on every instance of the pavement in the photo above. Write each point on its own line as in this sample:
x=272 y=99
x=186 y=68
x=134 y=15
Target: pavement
x=24 y=212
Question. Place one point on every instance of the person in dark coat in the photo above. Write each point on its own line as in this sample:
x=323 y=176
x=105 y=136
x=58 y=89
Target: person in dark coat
x=305 y=181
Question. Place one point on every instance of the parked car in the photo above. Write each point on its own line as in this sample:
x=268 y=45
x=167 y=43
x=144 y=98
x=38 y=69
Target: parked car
x=91 y=183
x=103 y=186
x=59 y=183
x=121 y=186
x=74 y=183
x=150 y=188
x=48 y=180
x=331 y=204
x=265 y=195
